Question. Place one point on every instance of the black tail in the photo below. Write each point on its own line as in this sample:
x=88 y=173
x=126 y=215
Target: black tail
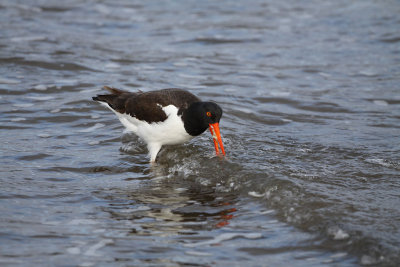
x=116 y=100
x=114 y=91
x=111 y=100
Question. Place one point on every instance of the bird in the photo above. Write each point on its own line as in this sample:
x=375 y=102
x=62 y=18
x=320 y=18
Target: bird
x=164 y=117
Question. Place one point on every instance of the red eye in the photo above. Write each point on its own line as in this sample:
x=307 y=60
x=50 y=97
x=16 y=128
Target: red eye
x=208 y=114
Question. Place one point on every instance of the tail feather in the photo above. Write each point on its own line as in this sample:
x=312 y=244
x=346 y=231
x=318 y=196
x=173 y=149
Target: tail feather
x=104 y=98
x=114 y=91
x=116 y=100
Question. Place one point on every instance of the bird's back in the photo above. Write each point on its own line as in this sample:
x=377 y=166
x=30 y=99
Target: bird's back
x=147 y=106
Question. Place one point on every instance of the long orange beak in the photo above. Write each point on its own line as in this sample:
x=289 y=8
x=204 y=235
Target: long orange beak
x=214 y=129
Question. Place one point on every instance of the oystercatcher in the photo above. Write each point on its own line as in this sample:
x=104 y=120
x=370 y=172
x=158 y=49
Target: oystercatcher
x=164 y=117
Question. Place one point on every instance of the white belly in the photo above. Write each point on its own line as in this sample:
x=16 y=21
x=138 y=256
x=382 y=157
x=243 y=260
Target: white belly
x=169 y=132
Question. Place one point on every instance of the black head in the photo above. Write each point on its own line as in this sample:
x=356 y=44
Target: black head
x=199 y=116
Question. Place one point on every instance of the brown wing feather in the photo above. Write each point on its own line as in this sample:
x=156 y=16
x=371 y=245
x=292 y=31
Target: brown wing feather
x=147 y=105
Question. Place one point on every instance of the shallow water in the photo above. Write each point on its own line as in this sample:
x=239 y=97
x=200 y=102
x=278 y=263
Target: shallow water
x=311 y=99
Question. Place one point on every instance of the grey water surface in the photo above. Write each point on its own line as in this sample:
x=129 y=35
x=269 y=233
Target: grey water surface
x=311 y=126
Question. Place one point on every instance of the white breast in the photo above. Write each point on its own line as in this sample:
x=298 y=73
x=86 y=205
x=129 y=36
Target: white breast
x=169 y=132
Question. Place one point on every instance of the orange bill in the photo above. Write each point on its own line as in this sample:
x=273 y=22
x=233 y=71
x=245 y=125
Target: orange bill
x=214 y=129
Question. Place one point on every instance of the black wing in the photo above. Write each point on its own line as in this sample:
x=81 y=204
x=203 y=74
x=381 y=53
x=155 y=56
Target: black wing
x=147 y=105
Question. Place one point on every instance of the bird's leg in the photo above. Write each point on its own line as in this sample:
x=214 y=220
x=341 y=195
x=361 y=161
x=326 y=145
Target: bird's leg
x=153 y=148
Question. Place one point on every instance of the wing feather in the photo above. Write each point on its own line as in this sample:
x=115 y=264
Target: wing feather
x=147 y=106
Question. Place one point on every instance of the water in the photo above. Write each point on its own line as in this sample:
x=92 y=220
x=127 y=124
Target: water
x=310 y=92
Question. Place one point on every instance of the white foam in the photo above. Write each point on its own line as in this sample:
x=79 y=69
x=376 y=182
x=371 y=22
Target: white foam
x=224 y=237
x=92 y=143
x=381 y=103
x=18 y=119
x=181 y=189
x=368 y=73
x=55 y=110
x=267 y=212
x=28 y=38
x=93 y=128
x=9 y=81
x=112 y=65
x=41 y=98
x=337 y=233
x=369 y=260
x=40 y=87
x=381 y=162
x=255 y=194
x=43 y=135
